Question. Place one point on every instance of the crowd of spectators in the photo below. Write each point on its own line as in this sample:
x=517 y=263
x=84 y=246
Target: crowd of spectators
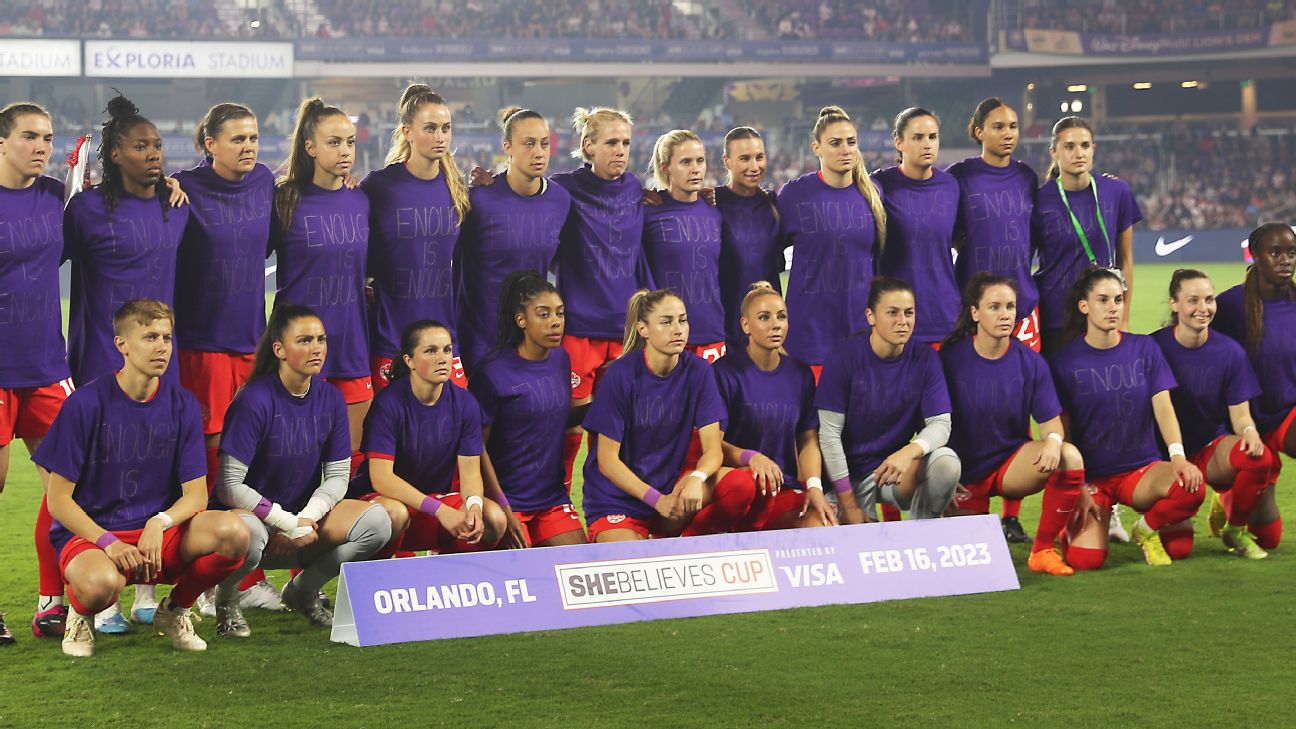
x=902 y=21
x=1145 y=16
x=111 y=18
x=499 y=18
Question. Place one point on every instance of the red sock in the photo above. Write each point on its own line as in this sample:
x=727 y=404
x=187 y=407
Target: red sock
x=253 y=577
x=1252 y=479
x=1267 y=535
x=1061 y=492
x=731 y=501
x=890 y=513
x=213 y=469
x=51 y=578
x=1178 y=505
x=77 y=606
x=1010 y=507
x=357 y=460
x=1178 y=543
x=756 y=515
x=1083 y=558
x=203 y=574
x=571 y=447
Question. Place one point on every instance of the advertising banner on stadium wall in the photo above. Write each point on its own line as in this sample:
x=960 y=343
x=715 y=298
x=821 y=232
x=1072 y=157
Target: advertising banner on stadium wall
x=1190 y=246
x=40 y=57
x=388 y=50
x=1066 y=42
x=186 y=59
x=515 y=591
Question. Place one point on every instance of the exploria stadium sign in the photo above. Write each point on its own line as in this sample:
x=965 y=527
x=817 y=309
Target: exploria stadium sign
x=175 y=59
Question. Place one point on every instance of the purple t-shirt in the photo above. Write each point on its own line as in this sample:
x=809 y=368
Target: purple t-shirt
x=834 y=258
x=1211 y=378
x=220 y=274
x=919 y=246
x=600 y=257
x=128 y=459
x=751 y=250
x=322 y=265
x=526 y=405
x=424 y=441
x=1275 y=364
x=1061 y=256
x=995 y=206
x=504 y=232
x=767 y=410
x=127 y=254
x=682 y=245
x=31 y=317
x=653 y=419
x=286 y=440
x=414 y=232
x=994 y=401
x=885 y=401
x=1108 y=395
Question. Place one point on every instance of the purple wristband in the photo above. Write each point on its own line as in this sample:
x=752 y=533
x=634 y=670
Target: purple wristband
x=746 y=457
x=430 y=505
x=652 y=496
x=106 y=539
x=842 y=485
x=502 y=500
x=262 y=509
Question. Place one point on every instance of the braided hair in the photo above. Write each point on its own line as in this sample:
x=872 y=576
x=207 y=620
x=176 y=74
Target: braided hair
x=123 y=116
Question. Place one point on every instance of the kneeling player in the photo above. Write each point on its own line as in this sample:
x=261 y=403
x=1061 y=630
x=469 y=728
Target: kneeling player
x=773 y=428
x=996 y=385
x=282 y=429
x=127 y=485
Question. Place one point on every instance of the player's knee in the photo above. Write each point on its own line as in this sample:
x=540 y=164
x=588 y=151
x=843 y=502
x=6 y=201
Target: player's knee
x=97 y=589
x=372 y=530
x=398 y=515
x=1268 y=536
x=1071 y=458
x=1085 y=558
x=943 y=472
x=1178 y=544
x=496 y=521
x=230 y=533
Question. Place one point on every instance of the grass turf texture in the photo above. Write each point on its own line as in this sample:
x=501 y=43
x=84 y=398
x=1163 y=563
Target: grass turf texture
x=1186 y=645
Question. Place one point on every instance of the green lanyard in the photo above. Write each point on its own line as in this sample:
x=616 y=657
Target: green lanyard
x=1102 y=225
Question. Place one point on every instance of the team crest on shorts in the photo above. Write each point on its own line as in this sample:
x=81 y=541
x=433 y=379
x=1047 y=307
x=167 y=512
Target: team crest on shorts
x=616 y=518
x=575 y=380
x=384 y=371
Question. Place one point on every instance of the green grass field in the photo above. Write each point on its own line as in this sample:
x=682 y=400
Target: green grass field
x=1203 y=642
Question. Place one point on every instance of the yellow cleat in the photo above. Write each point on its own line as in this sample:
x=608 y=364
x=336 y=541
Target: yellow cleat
x=1217 y=517
x=1150 y=540
x=1240 y=542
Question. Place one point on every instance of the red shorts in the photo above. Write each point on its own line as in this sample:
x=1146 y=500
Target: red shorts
x=425 y=531
x=643 y=527
x=817 y=371
x=28 y=412
x=173 y=565
x=214 y=377
x=355 y=390
x=588 y=358
x=975 y=496
x=1202 y=458
x=1027 y=331
x=709 y=352
x=1118 y=488
x=548 y=523
x=380 y=373
x=1276 y=437
x=786 y=501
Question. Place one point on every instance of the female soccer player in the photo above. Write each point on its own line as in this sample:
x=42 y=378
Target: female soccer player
x=128 y=513
x=1115 y=389
x=996 y=386
x=321 y=235
x=600 y=254
x=653 y=397
x=524 y=388
x=921 y=206
x=751 y=248
x=876 y=392
x=1215 y=386
x=835 y=222
x=1081 y=220
x=417 y=203
x=284 y=428
x=682 y=239
x=773 y=428
x=512 y=227
x=417 y=434
x=1261 y=314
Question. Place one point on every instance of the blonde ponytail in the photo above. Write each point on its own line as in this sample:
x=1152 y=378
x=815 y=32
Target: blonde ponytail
x=860 y=176
x=588 y=123
x=642 y=303
x=662 y=153
x=412 y=98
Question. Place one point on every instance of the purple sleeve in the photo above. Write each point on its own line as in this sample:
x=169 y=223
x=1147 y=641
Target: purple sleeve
x=64 y=448
x=710 y=408
x=1242 y=383
x=191 y=448
x=1160 y=377
x=1044 y=399
x=71 y=233
x=834 y=385
x=338 y=447
x=809 y=419
x=935 y=395
x=1129 y=213
x=483 y=388
x=470 y=427
x=246 y=424
x=607 y=414
x=380 y=425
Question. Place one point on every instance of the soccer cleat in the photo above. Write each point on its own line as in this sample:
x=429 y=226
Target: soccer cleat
x=145 y=604
x=1115 y=529
x=110 y=621
x=1050 y=562
x=6 y=637
x=261 y=596
x=1240 y=542
x=48 y=623
x=1217 y=518
x=1150 y=540
x=78 y=638
x=206 y=604
x=307 y=605
x=230 y=622
x=176 y=624
x=1013 y=530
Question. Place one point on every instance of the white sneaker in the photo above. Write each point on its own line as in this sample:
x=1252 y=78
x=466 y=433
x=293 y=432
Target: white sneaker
x=1116 y=531
x=262 y=596
x=206 y=604
x=145 y=604
x=175 y=623
x=78 y=636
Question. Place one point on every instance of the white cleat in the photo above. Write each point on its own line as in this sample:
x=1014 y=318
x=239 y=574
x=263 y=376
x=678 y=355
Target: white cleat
x=261 y=596
x=175 y=623
x=1116 y=531
x=145 y=604
x=206 y=604
x=78 y=636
